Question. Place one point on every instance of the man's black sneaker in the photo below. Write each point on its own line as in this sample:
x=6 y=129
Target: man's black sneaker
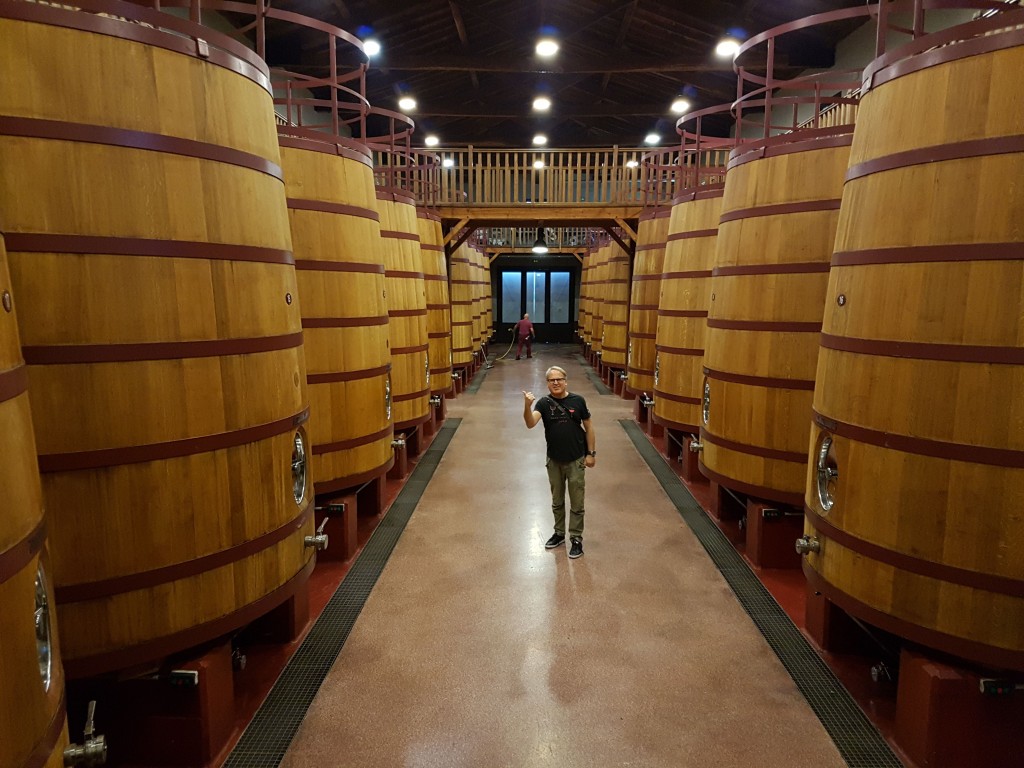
x=576 y=550
x=555 y=541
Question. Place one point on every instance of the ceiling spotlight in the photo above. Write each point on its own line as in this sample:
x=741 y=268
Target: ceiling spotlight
x=547 y=47
x=371 y=47
x=727 y=48
x=632 y=163
x=431 y=140
x=652 y=138
x=542 y=103
x=406 y=103
x=679 y=106
x=538 y=163
x=540 y=245
x=540 y=139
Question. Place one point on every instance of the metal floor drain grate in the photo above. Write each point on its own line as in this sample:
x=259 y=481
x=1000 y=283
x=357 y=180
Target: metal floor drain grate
x=478 y=379
x=602 y=388
x=275 y=724
x=857 y=740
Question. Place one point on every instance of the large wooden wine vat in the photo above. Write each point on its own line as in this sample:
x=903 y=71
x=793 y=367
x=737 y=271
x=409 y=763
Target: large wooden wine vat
x=462 y=301
x=479 y=272
x=598 y=291
x=33 y=724
x=151 y=256
x=439 y=310
x=584 y=326
x=683 y=308
x=339 y=263
x=615 y=307
x=487 y=309
x=916 y=477
x=407 y=310
x=643 y=304
x=775 y=235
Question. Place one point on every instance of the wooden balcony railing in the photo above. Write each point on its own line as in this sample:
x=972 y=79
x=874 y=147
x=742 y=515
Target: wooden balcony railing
x=611 y=176
x=521 y=239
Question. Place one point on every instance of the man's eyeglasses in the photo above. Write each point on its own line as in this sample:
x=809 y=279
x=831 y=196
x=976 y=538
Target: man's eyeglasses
x=552 y=381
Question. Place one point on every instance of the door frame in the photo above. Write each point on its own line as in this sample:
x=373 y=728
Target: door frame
x=552 y=332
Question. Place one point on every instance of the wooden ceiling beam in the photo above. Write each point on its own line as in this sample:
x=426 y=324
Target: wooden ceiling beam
x=627 y=20
x=483 y=62
x=559 y=112
x=582 y=25
x=342 y=9
x=460 y=30
x=629 y=248
x=460 y=24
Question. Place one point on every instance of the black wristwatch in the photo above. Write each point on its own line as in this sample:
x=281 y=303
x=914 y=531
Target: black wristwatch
x=591 y=453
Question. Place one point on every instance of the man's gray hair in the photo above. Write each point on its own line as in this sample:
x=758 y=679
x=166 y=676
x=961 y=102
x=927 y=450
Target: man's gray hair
x=554 y=368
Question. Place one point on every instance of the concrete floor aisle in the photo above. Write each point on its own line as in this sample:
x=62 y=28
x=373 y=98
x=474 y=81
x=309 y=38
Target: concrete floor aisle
x=478 y=647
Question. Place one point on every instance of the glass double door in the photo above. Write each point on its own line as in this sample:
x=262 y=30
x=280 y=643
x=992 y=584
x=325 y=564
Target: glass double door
x=545 y=295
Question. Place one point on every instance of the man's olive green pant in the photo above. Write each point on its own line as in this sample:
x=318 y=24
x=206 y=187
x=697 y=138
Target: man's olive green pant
x=573 y=475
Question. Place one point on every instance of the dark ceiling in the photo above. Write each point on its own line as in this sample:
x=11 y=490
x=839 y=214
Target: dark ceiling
x=471 y=65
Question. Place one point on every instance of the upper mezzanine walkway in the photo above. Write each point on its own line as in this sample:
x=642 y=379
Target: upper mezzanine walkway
x=558 y=189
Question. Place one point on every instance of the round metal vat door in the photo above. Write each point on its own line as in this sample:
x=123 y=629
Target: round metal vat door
x=44 y=644
x=827 y=472
x=299 y=466
x=705 y=411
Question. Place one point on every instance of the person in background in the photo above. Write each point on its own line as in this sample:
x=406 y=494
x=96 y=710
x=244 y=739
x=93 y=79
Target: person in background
x=524 y=330
x=571 y=450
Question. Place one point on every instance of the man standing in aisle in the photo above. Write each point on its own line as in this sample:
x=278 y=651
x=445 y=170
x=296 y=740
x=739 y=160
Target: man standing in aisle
x=571 y=450
x=524 y=330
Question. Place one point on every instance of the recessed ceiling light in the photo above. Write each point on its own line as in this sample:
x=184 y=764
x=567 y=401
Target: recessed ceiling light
x=540 y=139
x=431 y=140
x=652 y=138
x=538 y=163
x=542 y=103
x=407 y=103
x=727 y=48
x=679 y=106
x=371 y=47
x=547 y=47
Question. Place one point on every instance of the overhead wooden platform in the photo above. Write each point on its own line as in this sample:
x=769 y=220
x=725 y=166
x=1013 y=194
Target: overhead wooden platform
x=460 y=221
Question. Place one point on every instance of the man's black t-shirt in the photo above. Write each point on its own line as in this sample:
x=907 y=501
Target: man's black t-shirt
x=563 y=426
